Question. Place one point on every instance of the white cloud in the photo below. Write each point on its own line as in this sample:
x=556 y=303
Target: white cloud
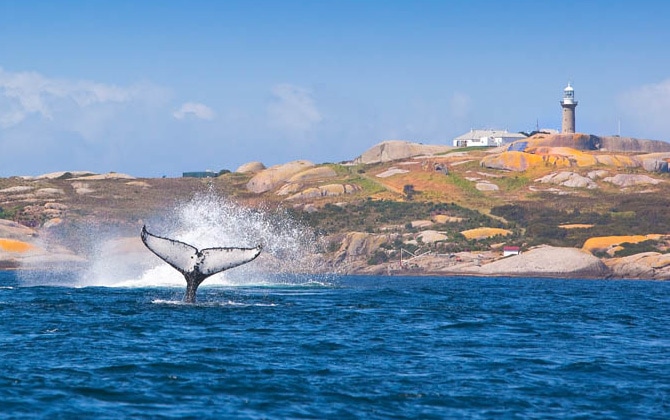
x=194 y=109
x=23 y=94
x=293 y=110
x=49 y=124
x=647 y=108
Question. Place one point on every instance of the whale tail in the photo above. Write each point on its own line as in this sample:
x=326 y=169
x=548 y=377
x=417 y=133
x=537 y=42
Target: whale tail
x=196 y=265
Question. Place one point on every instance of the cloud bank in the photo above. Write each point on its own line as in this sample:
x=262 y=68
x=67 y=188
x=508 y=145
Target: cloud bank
x=24 y=94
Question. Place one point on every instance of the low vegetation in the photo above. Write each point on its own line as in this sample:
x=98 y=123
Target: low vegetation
x=519 y=211
x=627 y=216
x=376 y=216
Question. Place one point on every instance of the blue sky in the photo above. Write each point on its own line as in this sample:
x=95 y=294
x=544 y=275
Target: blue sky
x=154 y=88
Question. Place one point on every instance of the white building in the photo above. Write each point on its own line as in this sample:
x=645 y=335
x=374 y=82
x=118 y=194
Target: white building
x=486 y=138
x=511 y=250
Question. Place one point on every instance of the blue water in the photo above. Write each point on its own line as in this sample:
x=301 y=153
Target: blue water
x=361 y=347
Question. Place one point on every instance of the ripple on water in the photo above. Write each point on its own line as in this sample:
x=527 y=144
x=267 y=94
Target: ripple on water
x=366 y=348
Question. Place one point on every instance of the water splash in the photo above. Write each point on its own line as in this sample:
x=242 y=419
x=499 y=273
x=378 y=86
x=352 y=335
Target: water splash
x=290 y=249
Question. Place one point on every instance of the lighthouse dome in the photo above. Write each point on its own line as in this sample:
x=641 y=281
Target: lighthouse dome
x=569 y=95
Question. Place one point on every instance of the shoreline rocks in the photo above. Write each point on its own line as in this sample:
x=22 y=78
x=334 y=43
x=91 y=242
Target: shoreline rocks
x=549 y=261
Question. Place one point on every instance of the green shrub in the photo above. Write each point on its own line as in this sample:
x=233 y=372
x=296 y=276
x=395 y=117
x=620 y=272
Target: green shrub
x=636 y=248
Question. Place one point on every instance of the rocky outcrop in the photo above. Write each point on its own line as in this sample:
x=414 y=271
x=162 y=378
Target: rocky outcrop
x=656 y=162
x=46 y=192
x=577 y=141
x=141 y=184
x=19 y=189
x=82 y=188
x=597 y=174
x=577 y=150
x=391 y=171
x=15 y=246
x=12 y=251
x=647 y=265
x=13 y=230
x=20 y=248
x=631 y=180
x=331 y=190
x=512 y=161
x=61 y=175
x=432 y=236
x=655 y=165
x=618 y=161
x=548 y=261
x=589 y=142
x=314 y=174
x=110 y=175
x=250 y=167
x=391 y=150
x=557 y=157
x=568 y=179
x=629 y=144
x=486 y=186
x=274 y=176
x=355 y=248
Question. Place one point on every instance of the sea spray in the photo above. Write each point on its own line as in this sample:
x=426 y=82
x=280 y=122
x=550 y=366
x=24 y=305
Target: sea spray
x=206 y=220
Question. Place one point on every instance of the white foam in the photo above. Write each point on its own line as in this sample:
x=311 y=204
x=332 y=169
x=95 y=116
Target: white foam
x=207 y=220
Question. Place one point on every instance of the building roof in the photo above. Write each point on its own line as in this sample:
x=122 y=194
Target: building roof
x=478 y=134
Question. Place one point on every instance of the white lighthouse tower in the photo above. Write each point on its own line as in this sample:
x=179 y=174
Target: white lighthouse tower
x=569 y=104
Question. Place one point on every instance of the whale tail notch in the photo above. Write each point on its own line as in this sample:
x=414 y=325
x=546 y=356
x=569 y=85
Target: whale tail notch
x=196 y=265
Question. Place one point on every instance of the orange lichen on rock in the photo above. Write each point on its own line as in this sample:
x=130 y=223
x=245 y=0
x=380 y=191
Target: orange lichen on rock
x=619 y=161
x=574 y=157
x=604 y=243
x=512 y=161
x=568 y=150
x=562 y=157
x=482 y=233
x=12 y=245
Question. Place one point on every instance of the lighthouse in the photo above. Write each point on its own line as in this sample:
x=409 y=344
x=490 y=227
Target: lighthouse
x=568 y=104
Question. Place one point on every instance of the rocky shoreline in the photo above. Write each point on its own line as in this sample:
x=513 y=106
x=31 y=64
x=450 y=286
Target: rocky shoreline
x=568 y=263
x=23 y=248
x=543 y=261
x=570 y=191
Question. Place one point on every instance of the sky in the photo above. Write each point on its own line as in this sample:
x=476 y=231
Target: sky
x=157 y=88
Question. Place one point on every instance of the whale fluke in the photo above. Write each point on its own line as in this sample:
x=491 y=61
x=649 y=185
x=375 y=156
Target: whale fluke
x=196 y=265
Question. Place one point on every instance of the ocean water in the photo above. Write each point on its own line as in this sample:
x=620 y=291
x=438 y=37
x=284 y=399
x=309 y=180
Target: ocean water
x=350 y=347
